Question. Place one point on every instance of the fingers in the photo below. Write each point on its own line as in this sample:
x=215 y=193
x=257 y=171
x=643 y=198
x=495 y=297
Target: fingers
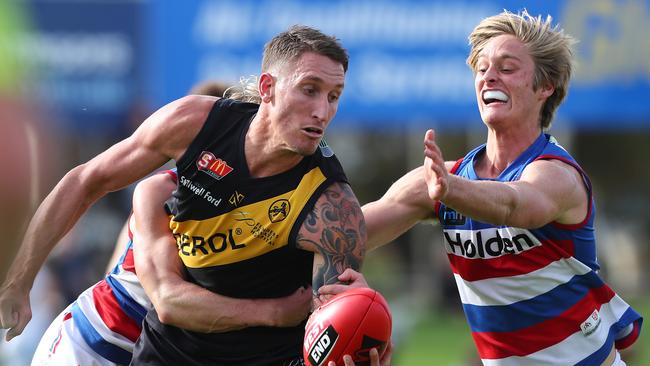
x=9 y=319
x=19 y=326
x=349 y=278
x=350 y=275
x=11 y=334
x=429 y=136
x=331 y=290
x=430 y=147
x=388 y=354
x=374 y=357
x=435 y=171
x=347 y=360
x=433 y=155
x=438 y=169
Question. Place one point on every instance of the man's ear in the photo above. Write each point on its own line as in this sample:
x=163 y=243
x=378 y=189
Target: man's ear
x=547 y=90
x=266 y=85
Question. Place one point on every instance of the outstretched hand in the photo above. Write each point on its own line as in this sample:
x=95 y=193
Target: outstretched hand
x=435 y=172
x=15 y=310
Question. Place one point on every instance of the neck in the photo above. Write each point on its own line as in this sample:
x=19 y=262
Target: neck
x=503 y=147
x=265 y=155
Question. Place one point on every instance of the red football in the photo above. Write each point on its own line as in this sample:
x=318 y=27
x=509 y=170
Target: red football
x=351 y=323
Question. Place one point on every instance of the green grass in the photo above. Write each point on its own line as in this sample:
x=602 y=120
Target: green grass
x=444 y=340
x=438 y=339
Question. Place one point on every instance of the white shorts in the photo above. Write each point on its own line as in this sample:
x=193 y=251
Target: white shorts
x=63 y=345
x=618 y=361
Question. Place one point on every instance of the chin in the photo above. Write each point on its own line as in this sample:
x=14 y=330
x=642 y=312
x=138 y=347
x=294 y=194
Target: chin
x=306 y=150
x=491 y=118
x=309 y=152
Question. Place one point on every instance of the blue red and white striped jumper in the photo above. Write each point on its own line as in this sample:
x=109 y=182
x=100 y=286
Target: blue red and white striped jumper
x=533 y=296
x=109 y=314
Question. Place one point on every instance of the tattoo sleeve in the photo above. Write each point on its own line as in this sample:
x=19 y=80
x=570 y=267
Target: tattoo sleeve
x=336 y=232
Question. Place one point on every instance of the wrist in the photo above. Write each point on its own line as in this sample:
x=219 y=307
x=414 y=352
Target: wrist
x=448 y=196
x=263 y=313
x=18 y=280
x=15 y=287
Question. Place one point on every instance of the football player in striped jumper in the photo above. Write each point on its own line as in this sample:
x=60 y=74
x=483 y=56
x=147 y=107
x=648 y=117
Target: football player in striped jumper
x=518 y=211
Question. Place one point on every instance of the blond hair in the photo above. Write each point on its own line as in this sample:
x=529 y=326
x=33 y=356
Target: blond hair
x=246 y=91
x=549 y=46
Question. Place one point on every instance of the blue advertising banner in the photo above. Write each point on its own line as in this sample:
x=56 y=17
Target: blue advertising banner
x=97 y=59
x=87 y=60
x=408 y=57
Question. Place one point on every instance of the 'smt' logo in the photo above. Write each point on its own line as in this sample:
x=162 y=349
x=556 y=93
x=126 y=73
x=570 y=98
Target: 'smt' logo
x=213 y=166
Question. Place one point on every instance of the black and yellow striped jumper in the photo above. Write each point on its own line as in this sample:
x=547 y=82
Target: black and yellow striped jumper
x=236 y=237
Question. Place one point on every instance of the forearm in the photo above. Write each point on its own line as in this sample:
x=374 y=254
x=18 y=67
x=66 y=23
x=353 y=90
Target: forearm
x=56 y=215
x=386 y=221
x=191 y=307
x=486 y=201
x=404 y=204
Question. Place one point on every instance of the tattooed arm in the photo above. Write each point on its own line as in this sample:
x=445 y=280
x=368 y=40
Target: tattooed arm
x=336 y=232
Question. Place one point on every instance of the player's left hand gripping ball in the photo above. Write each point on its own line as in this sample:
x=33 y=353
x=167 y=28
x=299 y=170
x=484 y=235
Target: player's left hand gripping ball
x=351 y=323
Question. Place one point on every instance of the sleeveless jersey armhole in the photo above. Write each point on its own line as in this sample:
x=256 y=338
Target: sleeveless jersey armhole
x=587 y=183
x=194 y=147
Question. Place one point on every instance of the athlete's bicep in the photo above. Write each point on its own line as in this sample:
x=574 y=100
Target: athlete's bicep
x=164 y=135
x=335 y=231
x=551 y=190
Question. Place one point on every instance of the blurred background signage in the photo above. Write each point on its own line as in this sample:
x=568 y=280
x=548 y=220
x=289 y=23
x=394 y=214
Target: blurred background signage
x=97 y=58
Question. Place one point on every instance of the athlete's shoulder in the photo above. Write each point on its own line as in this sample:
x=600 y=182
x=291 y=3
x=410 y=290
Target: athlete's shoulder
x=191 y=107
x=182 y=117
x=236 y=105
x=325 y=158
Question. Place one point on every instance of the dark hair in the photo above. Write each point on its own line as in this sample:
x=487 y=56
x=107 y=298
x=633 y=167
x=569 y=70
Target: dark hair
x=291 y=44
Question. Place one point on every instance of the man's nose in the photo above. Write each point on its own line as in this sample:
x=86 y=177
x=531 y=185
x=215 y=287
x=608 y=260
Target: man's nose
x=321 y=109
x=490 y=74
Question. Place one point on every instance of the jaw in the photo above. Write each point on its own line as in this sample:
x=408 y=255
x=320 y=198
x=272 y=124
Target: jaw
x=494 y=112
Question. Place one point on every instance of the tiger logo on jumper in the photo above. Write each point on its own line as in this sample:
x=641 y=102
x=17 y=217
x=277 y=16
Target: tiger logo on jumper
x=279 y=210
x=213 y=166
